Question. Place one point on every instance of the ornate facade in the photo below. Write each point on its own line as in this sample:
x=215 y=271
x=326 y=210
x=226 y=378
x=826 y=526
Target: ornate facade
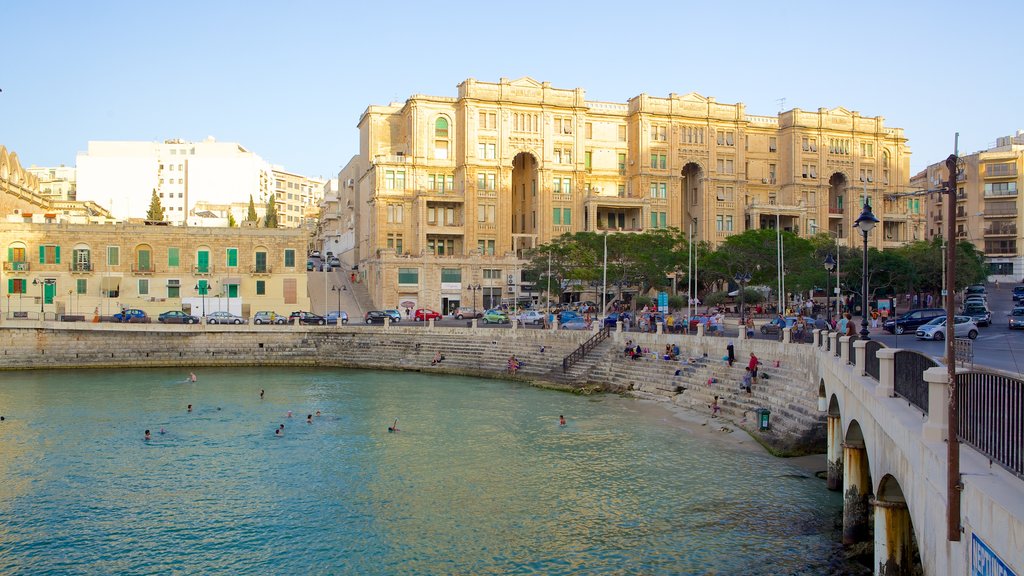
x=447 y=193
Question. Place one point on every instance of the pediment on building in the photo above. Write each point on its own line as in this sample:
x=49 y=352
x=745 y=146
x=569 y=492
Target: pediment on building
x=840 y=111
x=525 y=82
x=693 y=97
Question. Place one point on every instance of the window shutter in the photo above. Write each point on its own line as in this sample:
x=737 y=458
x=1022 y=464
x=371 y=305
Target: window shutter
x=56 y=254
x=10 y=285
x=10 y=254
x=42 y=254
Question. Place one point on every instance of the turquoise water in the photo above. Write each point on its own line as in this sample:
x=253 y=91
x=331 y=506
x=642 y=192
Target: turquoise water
x=480 y=480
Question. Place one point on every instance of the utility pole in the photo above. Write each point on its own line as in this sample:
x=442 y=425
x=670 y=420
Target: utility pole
x=953 y=484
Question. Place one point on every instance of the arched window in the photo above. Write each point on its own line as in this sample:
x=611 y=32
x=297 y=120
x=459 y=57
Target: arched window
x=441 y=128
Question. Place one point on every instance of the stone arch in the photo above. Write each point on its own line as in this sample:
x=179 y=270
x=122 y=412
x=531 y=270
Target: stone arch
x=525 y=193
x=143 y=258
x=896 y=548
x=857 y=485
x=692 y=192
x=822 y=396
x=441 y=128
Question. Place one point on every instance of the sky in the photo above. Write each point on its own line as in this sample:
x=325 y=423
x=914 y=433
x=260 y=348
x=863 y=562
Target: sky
x=289 y=80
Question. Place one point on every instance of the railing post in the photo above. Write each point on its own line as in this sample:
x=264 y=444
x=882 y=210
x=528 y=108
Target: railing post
x=430 y=324
x=886 y=372
x=787 y=335
x=844 y=348
x=472 y=323
x=861 y=361
x=743 y=332
x=835 y=342
x=658 y=327
x=700 y=330
x=936 y=428
x=618 y=326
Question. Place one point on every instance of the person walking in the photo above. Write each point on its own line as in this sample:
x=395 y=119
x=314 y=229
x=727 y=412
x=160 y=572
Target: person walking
x=752 y=368
x=731 y=350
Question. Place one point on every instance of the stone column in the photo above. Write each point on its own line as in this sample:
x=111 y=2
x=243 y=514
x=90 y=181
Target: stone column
x=936 y=428
x=844 y=349
x=618 y=326
x=700 y=330
x=387 y=321
x=834 y=456
x=856 y=486
x=886 y=372
x=743 y=332
x=835 y=342
x=787 y=335
x=658 y=328
x=430 y=324
x=892 y=538
x=859 y=345
x=473 y=323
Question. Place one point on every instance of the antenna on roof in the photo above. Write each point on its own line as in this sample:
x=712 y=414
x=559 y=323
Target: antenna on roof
x=782 y=104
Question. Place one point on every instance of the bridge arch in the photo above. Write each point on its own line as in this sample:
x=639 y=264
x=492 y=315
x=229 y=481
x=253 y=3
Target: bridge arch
x=895 y=541
x=857 y=485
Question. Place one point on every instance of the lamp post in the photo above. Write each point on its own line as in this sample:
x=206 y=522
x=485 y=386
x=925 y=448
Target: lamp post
x=742 y=280
x=42 y=292
x=830 y=266
x=201 y=289
x=865 y=222
x=337 y=289
x=474 y=288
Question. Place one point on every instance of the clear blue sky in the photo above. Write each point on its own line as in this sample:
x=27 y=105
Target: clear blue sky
x=288 y=80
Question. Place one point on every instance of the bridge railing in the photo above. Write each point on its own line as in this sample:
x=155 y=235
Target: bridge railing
x=580 y=352
x=871 y=348
x=990 y=416
x=909 y=382
x=851 y=353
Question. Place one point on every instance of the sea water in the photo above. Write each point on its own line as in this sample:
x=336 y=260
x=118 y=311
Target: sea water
x=480 y=479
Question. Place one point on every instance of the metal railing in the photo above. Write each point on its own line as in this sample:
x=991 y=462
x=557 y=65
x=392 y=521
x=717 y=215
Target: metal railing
x=990 y=417
x=851 y=352
x=908 y=372
x=579 y=353
x=871 y=357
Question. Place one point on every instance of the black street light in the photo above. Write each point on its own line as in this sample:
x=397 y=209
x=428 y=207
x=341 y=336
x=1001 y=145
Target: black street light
x=202 y=289
x=338 y=290
x=865 y=222
x=42 y=292
x=742 y=280
x=830 y=267
x=474 y=288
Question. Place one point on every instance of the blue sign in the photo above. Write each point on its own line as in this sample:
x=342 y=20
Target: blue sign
x=663 y=302
x=985 y=562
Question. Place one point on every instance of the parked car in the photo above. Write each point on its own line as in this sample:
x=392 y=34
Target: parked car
x=131 y=315
x=612 y=319
x=307 y=317
x=310 y=265
x=176 y=317
x=567 y=315
x=268 y=317
x=1018 y=293
x=465 y=312
x=224 y=317
x=375 y=317
x=495 y=316
x=775 y=326
x=979 y=312
x=976 y=298
x=531 y=317
x=314 y=254
x=396 y=316
x=909 y=321
x=975 y=289
x=424 y=314
x=936 y=328
x=334 y=316
x=576 y=323
x=1016 y=317
x=334 y=262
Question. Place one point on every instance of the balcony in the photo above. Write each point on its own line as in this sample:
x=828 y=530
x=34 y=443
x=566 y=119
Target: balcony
x=1000 y=248
x=835 y=211
x=202 y=270
x=140 y=270
x=1000 y=170
x=16 y=266
x=81 y=267
x=261 y=270
x=1000 y=212
x=1008 y=229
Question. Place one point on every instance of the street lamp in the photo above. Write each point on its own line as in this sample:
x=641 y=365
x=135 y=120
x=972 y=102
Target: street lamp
x=474 y=288
x=338 y=290
x=201 y=289
x=830 y=267
x=742 y=280
x=865 y=222
x=42 y=292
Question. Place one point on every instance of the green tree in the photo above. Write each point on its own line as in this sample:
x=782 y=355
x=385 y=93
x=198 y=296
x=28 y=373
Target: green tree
x=231 y=220
x=156 y=210
x=270 y=220
x=251 y=216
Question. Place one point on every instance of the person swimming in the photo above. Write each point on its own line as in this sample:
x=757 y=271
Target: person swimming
x=289 y=413
x=189 y=408
x=318 y=413
x=147 y=435
x=261 y=393
x=561 y=420
x=162 y=431
x=279 y=431
x=309 y=419
x=394 y=428
x=191 y=376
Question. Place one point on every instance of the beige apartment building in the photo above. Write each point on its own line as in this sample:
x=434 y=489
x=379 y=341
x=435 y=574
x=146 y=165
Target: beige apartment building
x=297 y=198
x=988 y=204
x=447 y=193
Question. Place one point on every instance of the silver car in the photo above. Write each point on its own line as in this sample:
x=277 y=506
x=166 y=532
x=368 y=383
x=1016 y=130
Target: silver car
x=936 y=329
x=224 y=317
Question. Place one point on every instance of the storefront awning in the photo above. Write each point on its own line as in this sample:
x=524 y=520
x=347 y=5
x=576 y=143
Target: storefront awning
x=110 y=282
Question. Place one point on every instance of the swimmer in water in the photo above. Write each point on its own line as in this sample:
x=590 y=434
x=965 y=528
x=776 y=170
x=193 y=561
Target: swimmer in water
x=309 y=419
x=189 y=407
x=147 y=435
x=191 y=376
x=261 y=393
x=394 y=428
x=279 y=432
x=318 y=413
x=289 y=413
x=561 y=420
x=162 y=431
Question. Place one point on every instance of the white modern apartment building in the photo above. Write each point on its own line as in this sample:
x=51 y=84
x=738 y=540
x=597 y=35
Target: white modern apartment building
x=56 y=183
x=123 y=175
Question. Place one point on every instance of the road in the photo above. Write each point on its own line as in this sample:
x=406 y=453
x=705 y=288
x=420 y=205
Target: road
x=997 y=346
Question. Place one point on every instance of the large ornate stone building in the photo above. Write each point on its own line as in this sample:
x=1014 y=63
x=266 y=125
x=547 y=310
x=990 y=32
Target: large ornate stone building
x=988 y=204
x=447 y=193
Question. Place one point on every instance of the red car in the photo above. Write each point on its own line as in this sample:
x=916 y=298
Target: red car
x=424 y=314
